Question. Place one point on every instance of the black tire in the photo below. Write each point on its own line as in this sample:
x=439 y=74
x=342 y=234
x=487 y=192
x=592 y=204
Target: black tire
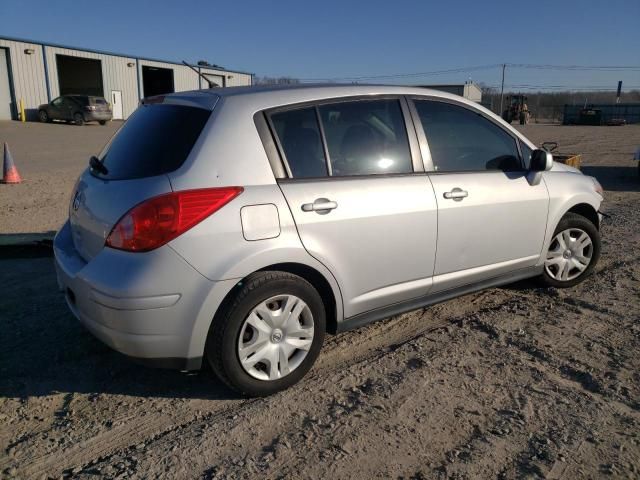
x=222 y=341
x=43 y=116
x=102 y=122
x=573 y=220
x=78 y=119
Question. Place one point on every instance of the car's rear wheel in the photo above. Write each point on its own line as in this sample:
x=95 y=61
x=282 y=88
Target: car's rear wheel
x=573 y=252
x=269 y=335
x=78 y=119
x=43 y=116
x=102 y=122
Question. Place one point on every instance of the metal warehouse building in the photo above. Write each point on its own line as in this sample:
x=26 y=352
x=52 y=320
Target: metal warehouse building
x=37 y=73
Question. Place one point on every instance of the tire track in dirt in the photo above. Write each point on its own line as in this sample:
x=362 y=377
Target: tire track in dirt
x=134 y=430
x=395 y=333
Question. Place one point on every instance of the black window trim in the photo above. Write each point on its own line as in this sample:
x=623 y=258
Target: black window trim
x=422 y=137
x=323 y=138
x=277 y=157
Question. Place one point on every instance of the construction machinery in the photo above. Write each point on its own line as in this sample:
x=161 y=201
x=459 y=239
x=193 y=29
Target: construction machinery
x=517 y=109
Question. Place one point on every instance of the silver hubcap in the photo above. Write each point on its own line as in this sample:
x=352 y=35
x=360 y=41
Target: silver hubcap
x=275 y=337
x=569 y=254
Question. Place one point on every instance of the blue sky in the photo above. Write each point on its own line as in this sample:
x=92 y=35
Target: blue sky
x=336 y=39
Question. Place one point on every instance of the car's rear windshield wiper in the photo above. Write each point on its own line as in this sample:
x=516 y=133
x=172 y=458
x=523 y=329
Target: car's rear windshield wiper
x=97 y=165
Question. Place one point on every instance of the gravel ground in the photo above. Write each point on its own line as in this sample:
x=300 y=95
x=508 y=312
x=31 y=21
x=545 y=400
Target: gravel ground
x=513 y=382
x=49 y=158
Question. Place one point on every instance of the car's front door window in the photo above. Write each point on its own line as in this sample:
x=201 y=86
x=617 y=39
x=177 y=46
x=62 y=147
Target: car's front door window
x=461 y=140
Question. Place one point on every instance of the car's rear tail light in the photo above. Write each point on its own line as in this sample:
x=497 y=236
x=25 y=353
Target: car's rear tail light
x=90 y=108
x=159 y=220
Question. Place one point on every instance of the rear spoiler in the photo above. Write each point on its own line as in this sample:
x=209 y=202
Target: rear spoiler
x=197 y=98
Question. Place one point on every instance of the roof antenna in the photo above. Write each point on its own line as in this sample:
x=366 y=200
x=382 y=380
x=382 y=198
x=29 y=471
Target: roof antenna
x=201 y=75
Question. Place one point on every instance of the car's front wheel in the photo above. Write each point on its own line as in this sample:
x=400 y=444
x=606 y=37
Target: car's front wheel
x=78 y=119
x=43 y=116
x=269 y=335
x=573 y=252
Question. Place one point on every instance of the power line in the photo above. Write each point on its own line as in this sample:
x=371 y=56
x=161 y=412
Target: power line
x=594 y=88
x=403 y=75
x=618 y=68
x=574 y=67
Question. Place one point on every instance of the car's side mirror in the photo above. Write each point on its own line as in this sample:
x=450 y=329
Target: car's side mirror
x=541 y=161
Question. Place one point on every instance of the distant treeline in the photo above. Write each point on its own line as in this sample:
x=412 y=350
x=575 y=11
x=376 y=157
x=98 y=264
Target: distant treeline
x=544 y=106
x=275 y=80
x=550 y=105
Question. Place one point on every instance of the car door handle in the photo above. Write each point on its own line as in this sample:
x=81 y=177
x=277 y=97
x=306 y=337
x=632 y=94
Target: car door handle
x=456 y=194
x=320 y=205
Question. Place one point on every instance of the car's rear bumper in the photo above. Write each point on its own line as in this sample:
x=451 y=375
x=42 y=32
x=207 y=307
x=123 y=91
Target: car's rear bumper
x=97 y=116
x=143 y=305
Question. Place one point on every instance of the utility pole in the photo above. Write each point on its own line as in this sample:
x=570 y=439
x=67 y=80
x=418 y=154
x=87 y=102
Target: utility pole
x=619 y=92
x=504 y=65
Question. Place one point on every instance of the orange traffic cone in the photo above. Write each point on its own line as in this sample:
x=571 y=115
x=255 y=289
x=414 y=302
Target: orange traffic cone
x=9 y=172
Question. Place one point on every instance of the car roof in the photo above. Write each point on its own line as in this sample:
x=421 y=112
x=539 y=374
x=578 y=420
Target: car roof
x=269 y=96
x=330 y=89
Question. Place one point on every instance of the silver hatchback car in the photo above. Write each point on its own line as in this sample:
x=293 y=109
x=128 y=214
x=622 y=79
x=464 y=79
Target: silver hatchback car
x=237 y=226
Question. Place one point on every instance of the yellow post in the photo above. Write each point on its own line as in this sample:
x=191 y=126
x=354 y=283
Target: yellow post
x=22 y=116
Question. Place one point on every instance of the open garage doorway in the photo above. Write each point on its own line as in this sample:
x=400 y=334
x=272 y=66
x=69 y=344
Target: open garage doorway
x=80 y=76
x=157 y=81
x=6 y=100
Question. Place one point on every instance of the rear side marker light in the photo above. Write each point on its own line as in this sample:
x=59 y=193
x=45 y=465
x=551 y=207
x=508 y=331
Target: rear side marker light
x=160 y=219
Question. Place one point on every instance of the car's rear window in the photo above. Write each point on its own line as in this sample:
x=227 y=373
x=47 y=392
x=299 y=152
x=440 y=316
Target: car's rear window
x=97 y=101
x=155 y=140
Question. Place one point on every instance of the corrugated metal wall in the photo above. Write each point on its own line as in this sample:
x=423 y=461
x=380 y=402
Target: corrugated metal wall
x=29 y=80
x=27 y=73
x=232 y=79
x=116 y=75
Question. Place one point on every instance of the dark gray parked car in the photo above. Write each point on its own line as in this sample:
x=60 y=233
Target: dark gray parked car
x=76 y=108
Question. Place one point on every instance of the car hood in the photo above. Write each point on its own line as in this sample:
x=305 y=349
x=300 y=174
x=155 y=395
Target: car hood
x=561 y=167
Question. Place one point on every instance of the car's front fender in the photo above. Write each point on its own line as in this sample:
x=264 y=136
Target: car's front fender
x=567 y=190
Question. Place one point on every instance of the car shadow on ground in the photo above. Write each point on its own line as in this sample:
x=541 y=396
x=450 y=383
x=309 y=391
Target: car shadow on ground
x=44 y=350
x=26 y=245
x=615 y=179
x=527 y=284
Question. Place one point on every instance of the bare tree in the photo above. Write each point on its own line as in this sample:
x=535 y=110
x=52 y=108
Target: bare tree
x=265 y=80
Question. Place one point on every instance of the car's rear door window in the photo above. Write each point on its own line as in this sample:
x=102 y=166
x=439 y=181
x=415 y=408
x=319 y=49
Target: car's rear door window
x=155 y=140
x=359 y=137
x=366 y=137
x=462 y=140
x=299 y=136
x=81 y=100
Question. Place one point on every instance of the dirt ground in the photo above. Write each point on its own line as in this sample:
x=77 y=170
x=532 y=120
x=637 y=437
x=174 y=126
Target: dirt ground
x=49 y=158
x=513 y=382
